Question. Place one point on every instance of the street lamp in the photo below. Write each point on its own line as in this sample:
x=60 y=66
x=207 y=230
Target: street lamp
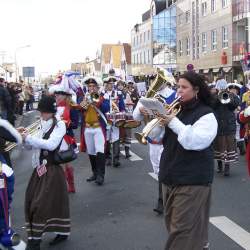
x=16 y=50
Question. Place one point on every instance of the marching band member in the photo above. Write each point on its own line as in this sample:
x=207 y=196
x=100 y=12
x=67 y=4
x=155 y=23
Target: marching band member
x=225 y=143
x=155 y=145
x=186 y=165
x=63 y=95
x=93 y=134
x=126 y=133
x=46 y=198
x=114 y=103
x=134 y=95
x=10 y=134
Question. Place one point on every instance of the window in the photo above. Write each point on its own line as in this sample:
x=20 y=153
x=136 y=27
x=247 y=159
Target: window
x=213 y=39
x=224 y=3
x=144 y=57
x=148 y=34
x=180 y=48
x=140 y=58
x=224 y=37
x=140 y=38
x=187 y=16
x=188 y=46
x=137 y=59
x=204 y=42
x=213 y=5
x=180 y=19
x=137 y=40
x=144 y=36
x=148 y=56
x=134 y=59
x=204 y=9
x=134 y=41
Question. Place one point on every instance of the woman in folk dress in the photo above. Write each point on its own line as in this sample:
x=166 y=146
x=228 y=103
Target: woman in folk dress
x=46 y=199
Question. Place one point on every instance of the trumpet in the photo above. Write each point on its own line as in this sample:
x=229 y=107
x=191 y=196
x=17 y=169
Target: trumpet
x=90 y=99
x=173 y=108
x=31 y=130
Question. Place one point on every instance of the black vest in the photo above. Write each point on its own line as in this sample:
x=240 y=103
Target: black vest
x=179 y=166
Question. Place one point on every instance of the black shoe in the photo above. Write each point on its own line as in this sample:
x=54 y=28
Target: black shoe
x=33 y=245
x=116 y=163
x=227 y=170
x=159 y=208
x=58 y=239
x=127 y=154
x=92 y=178
x=219 y=167
x=99 y=180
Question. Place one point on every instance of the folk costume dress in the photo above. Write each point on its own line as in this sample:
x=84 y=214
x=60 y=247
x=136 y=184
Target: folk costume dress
x=46 y=198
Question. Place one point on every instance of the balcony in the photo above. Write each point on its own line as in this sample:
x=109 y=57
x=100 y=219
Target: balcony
x=240 y=9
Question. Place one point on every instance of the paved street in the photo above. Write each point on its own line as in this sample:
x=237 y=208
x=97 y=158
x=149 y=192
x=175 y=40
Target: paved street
x=119 y=216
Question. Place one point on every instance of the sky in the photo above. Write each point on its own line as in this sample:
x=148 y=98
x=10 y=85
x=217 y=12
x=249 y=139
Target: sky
x=60 y=32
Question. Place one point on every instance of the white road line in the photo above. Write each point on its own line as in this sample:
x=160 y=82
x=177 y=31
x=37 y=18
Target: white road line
x=232 y=230
x=133 y=157
x=134 y=141
x=153 y=175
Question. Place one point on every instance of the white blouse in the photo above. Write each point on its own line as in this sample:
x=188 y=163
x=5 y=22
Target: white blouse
x=198 y=136
x=50 y=144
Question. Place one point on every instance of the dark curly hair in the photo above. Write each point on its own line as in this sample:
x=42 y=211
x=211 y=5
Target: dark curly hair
x=197 y=80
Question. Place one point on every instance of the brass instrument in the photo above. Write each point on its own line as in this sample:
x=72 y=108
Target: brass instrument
x=173 y=108
x=31 y=130
x=225 y=97
x=90 y=98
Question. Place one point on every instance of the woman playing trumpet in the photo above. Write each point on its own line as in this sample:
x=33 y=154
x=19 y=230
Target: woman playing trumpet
x=46 y=198
x=186 y=166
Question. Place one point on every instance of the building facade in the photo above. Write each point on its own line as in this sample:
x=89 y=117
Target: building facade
x=141 y=46
x=117 y=57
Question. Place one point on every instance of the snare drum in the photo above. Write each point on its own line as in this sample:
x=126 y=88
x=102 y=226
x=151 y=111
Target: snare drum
x=120 y=119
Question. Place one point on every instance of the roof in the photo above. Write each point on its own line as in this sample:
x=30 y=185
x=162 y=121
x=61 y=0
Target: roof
x=160 y=5
x=146 y=16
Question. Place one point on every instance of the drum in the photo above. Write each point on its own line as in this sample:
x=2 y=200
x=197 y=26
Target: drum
x=120 y=119
x=130 y=122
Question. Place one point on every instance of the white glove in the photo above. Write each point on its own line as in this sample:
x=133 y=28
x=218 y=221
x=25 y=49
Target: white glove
x=247 y=112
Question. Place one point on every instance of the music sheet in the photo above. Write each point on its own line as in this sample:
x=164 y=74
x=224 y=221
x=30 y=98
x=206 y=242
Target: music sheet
x=153 y=105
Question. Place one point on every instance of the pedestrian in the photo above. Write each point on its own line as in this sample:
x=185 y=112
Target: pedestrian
x=46 y=197
x=186 y=165
x=6 y=111
x=225 y=149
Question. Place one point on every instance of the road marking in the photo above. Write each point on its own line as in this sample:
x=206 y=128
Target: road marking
x=133 y=157
x=134 y=141
x=153 y=175
x=232 y=230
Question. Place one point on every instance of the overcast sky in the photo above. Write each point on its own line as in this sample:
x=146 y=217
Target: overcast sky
x=64 y=31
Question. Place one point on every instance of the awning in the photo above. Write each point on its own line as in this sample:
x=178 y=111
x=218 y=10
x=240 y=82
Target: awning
x=205 y=71
x=216 y=70
x=227 y=69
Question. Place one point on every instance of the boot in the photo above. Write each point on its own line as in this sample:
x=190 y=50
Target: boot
x=227 y=170
x=116 y=152
x=219 y=167
x=127 y=154
x=58 y=239
x=70 y=179
x=92 y=159
x=100 y=166
x=159 y=207
x=242 y=148
x=33 y=245
x=108 y=154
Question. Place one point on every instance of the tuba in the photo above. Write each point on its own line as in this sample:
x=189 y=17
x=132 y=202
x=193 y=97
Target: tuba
x=225 y=97
x=154 y=126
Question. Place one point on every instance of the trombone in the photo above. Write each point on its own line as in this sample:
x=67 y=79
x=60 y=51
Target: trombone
x=174 y=108
x=31 y=129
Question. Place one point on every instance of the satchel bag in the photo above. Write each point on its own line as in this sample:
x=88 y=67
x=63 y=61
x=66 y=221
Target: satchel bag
x=64 y=156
